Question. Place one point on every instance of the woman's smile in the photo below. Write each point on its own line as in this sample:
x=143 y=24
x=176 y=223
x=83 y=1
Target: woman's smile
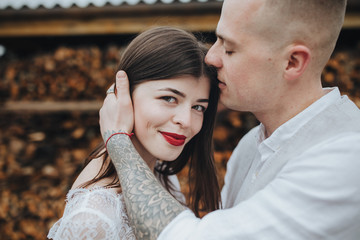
x=174 y=139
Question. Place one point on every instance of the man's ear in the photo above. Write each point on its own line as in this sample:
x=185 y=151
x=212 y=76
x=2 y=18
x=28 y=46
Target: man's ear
x=299 y=57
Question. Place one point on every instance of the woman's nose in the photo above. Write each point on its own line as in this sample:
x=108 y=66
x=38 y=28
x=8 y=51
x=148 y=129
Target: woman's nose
x=183 y=117
x=212 y=57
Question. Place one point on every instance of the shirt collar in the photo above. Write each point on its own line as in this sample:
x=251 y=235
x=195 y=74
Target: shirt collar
x=291 y=127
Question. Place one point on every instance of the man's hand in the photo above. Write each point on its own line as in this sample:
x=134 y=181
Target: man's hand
x=116 y=114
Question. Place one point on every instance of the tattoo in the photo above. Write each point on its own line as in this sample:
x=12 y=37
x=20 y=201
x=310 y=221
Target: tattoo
x=108 y=133
x=149 y=206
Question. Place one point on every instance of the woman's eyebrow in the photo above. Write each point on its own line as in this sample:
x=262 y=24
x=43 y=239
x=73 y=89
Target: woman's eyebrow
x=181 y=94
x=203 y=100
x=173 y=91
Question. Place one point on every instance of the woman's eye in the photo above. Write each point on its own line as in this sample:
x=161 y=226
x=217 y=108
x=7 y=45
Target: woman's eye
x=199 y=108
x=169 y=99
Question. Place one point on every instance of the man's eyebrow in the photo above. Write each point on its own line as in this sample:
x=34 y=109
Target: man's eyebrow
x=224 y=39
x=177 y=92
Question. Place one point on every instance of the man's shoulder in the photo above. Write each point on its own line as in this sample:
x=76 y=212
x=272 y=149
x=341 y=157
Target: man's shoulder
x=247 y=145
x=249 y=138
x=348 y=106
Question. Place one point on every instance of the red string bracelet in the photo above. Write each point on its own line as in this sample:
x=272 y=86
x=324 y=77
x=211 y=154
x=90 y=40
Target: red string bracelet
x=129 y=134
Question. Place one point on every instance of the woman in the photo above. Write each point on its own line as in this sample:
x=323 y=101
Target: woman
x=175 y=96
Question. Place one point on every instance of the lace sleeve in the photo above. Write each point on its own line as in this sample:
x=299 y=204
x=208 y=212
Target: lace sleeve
x=91 y=215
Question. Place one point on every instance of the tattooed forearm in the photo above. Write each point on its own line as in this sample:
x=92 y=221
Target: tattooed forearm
x=149 y=205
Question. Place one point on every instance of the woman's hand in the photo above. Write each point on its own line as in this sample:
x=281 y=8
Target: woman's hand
x=116 y=114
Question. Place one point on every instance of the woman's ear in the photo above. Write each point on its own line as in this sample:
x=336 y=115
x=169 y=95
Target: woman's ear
x=299 y=57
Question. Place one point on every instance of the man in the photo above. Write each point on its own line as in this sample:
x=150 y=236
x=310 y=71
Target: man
x=293 y=177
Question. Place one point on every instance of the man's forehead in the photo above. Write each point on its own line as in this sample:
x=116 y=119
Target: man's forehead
x=243 y=8
x=238 y=17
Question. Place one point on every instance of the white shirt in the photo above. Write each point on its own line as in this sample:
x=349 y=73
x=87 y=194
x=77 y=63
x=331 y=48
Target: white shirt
x=302 y=182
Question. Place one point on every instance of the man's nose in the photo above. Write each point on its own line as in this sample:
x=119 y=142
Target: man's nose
x=212 y=58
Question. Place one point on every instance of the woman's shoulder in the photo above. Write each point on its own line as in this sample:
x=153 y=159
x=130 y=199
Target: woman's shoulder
x=99 y=194
x=99 y=201
x=91 y=170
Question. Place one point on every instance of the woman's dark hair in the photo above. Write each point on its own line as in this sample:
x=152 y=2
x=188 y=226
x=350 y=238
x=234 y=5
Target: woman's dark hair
x=165 y=53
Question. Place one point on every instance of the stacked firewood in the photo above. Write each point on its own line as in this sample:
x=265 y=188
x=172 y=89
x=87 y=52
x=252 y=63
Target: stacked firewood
x=41 y=153
x=40 y=156
x=65 y=74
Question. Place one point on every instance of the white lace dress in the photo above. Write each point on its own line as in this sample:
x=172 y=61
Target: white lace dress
x=93 y=214
x=98 y=213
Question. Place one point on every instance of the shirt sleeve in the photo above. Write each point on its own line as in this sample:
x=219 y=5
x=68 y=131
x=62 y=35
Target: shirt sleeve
x=315 y=196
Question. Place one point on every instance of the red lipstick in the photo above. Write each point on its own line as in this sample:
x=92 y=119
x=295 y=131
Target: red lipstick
x=173 y=138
